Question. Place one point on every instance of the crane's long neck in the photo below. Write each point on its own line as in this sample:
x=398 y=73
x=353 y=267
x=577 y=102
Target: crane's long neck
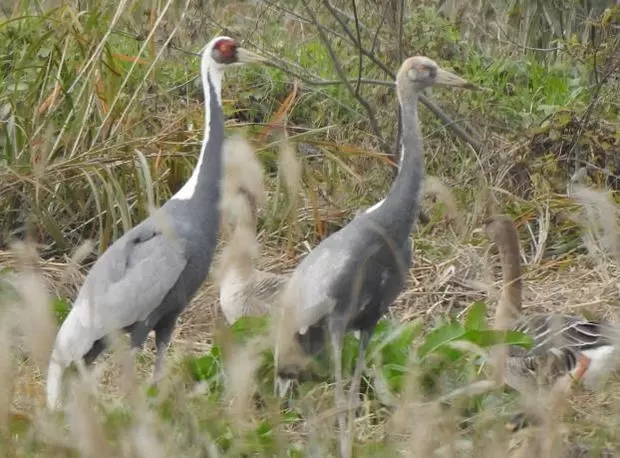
x=399 y=209
x=202 y=190
x=507 y=242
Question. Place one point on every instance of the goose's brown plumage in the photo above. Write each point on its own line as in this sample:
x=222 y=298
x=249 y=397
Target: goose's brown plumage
x=559 y=339
x=244 y=289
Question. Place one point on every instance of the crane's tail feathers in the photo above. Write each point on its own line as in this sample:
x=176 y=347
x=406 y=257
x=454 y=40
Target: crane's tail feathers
x=73 y=342
x=54 y=381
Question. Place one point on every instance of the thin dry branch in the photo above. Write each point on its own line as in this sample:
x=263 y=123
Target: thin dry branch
x=460 y=132
x=372 y=119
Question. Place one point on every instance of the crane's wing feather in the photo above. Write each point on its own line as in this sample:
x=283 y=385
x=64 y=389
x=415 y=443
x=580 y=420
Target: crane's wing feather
x=130 y=280
x=346 y=269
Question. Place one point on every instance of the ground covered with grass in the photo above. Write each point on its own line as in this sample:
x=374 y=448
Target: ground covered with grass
x=101 y=118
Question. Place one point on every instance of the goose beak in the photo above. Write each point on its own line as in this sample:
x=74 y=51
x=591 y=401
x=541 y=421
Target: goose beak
x=445 y=78
x=247 y=57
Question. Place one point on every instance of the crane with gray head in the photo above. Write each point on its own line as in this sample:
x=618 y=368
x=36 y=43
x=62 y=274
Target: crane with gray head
x=146 y=278
x=351 y=278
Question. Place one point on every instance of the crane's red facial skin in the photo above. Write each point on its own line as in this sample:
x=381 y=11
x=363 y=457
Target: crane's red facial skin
x=225 y=51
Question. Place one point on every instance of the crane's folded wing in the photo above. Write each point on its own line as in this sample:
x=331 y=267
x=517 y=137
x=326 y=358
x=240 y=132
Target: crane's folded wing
x=152 y=265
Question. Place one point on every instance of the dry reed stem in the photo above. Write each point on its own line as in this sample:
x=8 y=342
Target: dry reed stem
x=556 y=403
x=434 y=186
x=242 y=169
x=7 y=373
x=291 y=167
x=146 y=442
x=84 y=421
x=600 y=221
x=243 y=192
x=240 y=381
x=33 y=315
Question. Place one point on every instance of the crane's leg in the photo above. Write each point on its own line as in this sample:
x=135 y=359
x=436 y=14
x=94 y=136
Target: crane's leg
x=98 y=347
x=354 y=389
x=163 y=334
x=337 y=330
x=365 y=336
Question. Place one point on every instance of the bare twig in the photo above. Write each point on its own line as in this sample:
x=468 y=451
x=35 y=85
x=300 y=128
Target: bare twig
x=368 y=53
x=600 y=82
x=372 y=119
x=360 y=58
x=460 y=132
x=401 y=57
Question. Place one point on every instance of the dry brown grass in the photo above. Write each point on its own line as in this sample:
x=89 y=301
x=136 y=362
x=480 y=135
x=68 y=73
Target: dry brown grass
x=434 y=289
x=450 y=272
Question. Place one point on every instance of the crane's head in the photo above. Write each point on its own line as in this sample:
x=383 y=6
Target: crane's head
x=223 y=51
x=424 y=72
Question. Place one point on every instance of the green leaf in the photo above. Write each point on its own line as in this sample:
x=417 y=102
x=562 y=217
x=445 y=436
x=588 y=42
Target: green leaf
x=476 y=316
x=61 y=309
x=489 y=337
x=290 y=416
x=206 y=367
x=350 y=352
x=247 y=327
x=437 y=338
x=264 y=433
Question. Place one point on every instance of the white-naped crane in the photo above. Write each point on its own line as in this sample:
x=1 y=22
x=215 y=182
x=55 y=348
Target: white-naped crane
x=144 y=280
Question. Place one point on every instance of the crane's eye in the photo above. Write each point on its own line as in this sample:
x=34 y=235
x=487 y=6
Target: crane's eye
x=225 y=51
x=422 y=72
x=429 y=71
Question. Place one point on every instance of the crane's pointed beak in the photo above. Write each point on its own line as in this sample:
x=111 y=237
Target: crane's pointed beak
x=247 y=57
x=445 y=78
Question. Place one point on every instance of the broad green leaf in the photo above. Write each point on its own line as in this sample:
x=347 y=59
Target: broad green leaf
x=264 y=433
x=381 y=329
x=476 y=316
x=208 y=366
x=488 y=337
x=249 y=326
x=350 y=353
x=395 y=338
x=61 y=309
x=439 y=337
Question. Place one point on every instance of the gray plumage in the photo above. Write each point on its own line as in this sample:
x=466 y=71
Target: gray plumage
x=146 y=278
x=351 y=278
